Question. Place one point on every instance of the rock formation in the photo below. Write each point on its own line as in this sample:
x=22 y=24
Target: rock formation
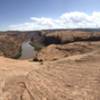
x=62 y=37
x=9 y=47
x=54 y=52
x=70 y=69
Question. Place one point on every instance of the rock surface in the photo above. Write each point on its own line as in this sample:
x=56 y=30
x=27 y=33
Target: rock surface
x=76 y=78
x=66 y=80
x=70 y=70
x=61 y=37
x=9 y=46
x=54 y=52
x=12 y=78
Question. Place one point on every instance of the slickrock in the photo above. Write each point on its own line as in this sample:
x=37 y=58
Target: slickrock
x=64 y=79
x=54 y=52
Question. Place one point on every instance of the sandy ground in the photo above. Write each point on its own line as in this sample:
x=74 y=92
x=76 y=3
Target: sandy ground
x=14 y=68
x=73 y=78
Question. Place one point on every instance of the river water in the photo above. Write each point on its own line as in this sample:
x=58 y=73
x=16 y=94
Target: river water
x=27 y=51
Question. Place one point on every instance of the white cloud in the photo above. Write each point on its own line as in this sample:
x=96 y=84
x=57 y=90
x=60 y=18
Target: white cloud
x=43 y=21
x=24 y=26
x=66 y=20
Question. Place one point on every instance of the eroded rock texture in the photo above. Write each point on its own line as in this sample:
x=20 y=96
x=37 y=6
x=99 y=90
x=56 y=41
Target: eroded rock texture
x=76 y=79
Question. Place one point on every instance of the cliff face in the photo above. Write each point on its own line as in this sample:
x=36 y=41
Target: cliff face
x=9 y=46
x=11 y=42
x=62 y=37
x=60 y=44
x=70 y=41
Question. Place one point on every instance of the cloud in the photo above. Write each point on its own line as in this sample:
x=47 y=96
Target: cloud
x=43 y=21
x=24 y=26
x=66 y=20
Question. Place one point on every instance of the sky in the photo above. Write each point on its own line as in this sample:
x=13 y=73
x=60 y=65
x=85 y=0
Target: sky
x=49 y=14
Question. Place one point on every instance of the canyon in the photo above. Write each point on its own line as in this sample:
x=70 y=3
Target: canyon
x=66 y=65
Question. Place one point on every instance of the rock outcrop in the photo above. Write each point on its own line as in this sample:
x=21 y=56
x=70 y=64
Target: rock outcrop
x=9 y=47
x=55 y=52
x=74 y=75
x=62 y=37
x=10 y=42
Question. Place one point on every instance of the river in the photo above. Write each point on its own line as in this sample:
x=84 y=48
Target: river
x=27 y=51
